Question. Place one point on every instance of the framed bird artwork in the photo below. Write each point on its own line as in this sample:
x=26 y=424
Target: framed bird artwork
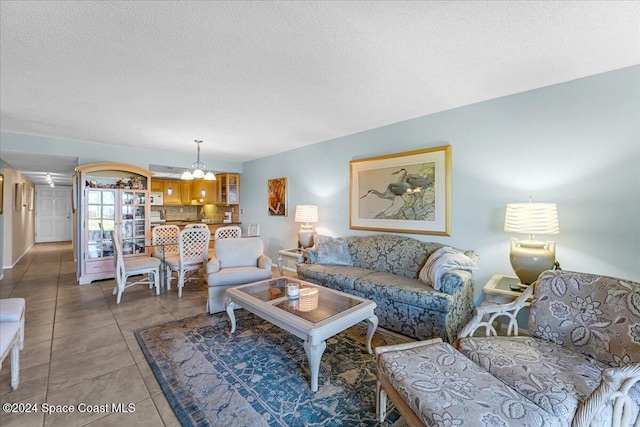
x=406 y=192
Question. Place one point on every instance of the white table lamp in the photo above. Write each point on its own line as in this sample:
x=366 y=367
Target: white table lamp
x=531 y=257
x=307 y=215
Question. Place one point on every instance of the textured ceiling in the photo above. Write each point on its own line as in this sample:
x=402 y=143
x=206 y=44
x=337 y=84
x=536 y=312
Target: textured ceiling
x=253 y=79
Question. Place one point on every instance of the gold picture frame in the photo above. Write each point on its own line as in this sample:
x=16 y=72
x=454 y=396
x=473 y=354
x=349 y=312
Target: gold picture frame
x=406 y=192
x=277 y=196
x=30 y=197
x=18 y=197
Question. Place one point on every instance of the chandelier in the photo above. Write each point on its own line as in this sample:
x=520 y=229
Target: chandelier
x=197 y=169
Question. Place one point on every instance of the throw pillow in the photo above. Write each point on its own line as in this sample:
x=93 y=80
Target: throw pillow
x=332 y=251
x=442 y=261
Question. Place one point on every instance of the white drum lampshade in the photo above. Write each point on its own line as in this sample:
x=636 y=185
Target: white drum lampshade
x=531 y=257
x=307 y=215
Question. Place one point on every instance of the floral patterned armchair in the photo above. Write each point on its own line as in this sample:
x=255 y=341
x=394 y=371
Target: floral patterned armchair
x=581 y=359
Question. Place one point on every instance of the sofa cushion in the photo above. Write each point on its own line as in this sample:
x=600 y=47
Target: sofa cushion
x=399 y=255
x=243 y=252
x=332 y=251
x=402 y=289
x=596 y=315
x=553 y=377
x=337 y=277
x=444 y=388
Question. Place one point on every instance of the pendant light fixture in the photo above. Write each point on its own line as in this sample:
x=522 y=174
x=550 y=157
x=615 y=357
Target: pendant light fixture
x=197 y=169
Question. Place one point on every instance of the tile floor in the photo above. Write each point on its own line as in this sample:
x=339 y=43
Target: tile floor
x=79 y=345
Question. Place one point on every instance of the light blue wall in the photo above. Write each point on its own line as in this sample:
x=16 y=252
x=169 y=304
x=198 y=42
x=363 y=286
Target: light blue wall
x=576 y=144
x=88 y=152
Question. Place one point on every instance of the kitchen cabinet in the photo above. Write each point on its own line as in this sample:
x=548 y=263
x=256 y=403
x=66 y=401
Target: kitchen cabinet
x=185 y=188
x=196 y=192
x=210 y=190
x=175 y=198
x=156 y=184
x=228 y=188
x=109 y=196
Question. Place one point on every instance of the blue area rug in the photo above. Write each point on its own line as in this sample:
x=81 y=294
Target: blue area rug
x=259 y=376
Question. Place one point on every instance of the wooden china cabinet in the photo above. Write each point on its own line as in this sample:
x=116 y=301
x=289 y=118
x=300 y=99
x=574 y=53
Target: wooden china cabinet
x=109 y=196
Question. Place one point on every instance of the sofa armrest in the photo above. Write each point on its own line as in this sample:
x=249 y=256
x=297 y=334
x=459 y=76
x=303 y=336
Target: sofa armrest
x=454 y=280
x=310 y=255
x=613 y=391
x=264 y=262
x=484 y=316
x=213 y=266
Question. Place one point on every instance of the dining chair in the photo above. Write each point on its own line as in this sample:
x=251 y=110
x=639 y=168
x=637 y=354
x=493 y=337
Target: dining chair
x=253 y=230
x=193 y=254
x=165 y=236
x=135 y=266
x=228 y=232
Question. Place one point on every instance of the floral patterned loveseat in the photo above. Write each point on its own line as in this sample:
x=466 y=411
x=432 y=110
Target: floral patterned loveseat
x=583 y=346
x=385 y=269
x=579 y=365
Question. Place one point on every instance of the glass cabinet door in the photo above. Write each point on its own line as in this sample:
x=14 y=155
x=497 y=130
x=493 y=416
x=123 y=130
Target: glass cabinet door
x=233 y=189
x=133 y=222
x=101 y=218
x=222 y=188
x=228 y=188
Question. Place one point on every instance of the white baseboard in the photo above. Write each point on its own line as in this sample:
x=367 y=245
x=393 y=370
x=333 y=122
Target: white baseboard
x=21 y=256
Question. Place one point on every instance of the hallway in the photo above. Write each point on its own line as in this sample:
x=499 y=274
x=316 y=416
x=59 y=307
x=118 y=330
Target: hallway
x=80 y=347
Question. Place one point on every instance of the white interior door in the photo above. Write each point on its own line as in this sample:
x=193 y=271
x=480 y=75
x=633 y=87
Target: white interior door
x=53 y=214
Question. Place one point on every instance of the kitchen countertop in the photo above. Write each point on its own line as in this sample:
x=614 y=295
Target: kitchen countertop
x=200 y=222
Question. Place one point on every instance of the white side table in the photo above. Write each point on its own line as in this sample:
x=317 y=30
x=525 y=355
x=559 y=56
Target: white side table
x=498 y=290
x=294 y=253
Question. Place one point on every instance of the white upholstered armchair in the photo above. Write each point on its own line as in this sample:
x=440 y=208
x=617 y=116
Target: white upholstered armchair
x=236 y=262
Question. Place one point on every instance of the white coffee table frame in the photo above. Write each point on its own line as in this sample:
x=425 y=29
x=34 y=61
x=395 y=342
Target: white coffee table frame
x=313 y=334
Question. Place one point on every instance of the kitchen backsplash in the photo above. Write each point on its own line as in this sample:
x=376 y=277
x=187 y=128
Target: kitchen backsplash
x=192 y=213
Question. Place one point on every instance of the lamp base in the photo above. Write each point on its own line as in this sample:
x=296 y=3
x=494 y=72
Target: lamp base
x=305 y=236
x=529 y=258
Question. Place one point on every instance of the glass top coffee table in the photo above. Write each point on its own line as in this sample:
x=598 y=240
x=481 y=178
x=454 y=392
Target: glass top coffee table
x=316 y=314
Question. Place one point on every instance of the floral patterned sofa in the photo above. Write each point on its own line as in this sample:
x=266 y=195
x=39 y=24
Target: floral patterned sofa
x=385 y=269
x=579 y=365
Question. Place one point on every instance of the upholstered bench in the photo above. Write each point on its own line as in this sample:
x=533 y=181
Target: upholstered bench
x=10 y=343
x=431 y=383
x=12 y=310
